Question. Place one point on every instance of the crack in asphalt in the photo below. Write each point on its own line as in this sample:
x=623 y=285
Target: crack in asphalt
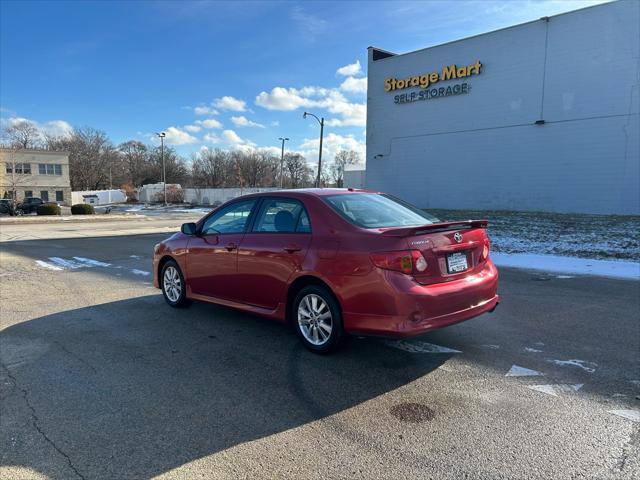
x=75 y=356
x=35 y=422
x=629 y=445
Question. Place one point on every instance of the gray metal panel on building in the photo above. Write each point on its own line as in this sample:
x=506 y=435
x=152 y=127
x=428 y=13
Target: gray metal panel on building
x=579 y=72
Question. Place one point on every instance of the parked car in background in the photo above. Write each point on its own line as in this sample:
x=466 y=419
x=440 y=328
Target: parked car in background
x=29 y=205
x=5 y=206
x=331 y=262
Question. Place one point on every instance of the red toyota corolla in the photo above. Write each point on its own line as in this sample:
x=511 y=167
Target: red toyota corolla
x=331 y=262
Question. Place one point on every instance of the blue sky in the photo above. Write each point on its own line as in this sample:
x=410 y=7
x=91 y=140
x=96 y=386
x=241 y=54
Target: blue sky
x=220 y=74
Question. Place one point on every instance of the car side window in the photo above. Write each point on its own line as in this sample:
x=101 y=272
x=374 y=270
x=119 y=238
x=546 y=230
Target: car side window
x=281 y=215
x=230 y=219
x=304 y=226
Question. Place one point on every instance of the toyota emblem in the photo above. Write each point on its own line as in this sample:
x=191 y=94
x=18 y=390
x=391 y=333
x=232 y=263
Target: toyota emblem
x=458 y=237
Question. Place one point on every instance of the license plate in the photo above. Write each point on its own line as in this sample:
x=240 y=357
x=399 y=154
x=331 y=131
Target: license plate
x=457 y=262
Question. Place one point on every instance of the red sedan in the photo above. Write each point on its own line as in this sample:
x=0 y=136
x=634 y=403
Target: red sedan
x=331 y=262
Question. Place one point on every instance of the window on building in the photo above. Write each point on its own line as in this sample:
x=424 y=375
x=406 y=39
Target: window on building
x=44 y=195
x=59 y=196
x=49 y=169
x=20 y=168
x=28 y=193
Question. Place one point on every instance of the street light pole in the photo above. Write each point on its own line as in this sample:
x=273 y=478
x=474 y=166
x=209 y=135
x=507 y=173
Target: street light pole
x=282 y=162
x=164 y=170
x=321 y=122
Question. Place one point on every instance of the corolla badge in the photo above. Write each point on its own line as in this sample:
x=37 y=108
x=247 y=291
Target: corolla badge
x=458 y=237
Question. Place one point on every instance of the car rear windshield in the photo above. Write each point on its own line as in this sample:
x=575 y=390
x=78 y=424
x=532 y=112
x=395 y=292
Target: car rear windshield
x=373 y=210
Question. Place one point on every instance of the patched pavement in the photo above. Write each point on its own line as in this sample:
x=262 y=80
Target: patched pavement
x=100 y=379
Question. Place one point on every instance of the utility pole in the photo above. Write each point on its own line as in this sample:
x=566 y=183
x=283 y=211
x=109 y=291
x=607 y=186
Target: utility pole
x=164 y=170
x=282 y=162
x=321 y=122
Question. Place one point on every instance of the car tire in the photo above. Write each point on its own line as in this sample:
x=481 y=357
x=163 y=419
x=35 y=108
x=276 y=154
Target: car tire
x=317 y=319
x=174 y=289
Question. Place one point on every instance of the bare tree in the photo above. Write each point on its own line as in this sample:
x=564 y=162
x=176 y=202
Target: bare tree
x=23 y=134
x=342 y=159
x=90 y=156
x=210 y=168
x=136 y=161
x=298 y=170
x=15 y=171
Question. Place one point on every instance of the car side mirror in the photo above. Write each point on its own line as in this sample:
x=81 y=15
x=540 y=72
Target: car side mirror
x=189 y=228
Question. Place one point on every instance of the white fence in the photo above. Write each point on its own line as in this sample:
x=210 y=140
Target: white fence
x=216 y=196
x=98 y=197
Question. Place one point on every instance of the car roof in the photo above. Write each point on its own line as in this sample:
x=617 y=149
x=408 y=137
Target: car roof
x=317 y=192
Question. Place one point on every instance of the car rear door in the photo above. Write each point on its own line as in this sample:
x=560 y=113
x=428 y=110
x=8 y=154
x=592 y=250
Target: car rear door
x=212 y=257
x=273 y=250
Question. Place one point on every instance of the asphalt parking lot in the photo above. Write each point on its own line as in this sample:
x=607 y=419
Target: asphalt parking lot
x=101 y=380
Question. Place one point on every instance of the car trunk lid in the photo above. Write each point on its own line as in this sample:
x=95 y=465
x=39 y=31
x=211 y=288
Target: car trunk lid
x=452 y=249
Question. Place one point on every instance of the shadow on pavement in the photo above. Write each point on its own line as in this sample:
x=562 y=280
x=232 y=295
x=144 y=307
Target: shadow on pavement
x=132 y=389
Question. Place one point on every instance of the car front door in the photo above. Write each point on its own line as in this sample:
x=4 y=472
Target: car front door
x=212 y=254
x=273 y=250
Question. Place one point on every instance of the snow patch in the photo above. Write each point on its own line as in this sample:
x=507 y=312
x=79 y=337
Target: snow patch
x=492 y=347
x=135 y=271
x=518 y=371
x=581 y=266
x=532 y=350
x=633 y=415
x=48 y=265
x=583 y=364
x=554 y=390
x=92 y=263
x=417 y=346
x=61 y=262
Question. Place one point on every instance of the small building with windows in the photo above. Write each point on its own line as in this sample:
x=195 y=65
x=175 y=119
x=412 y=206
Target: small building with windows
x=28 y=173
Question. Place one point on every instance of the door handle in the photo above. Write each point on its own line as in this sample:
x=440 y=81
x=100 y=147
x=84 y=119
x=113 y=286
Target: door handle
x=292 y=249
x=231 y=246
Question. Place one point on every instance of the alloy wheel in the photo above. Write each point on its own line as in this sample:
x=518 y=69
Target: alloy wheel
x=314 y=319
x=172 y=284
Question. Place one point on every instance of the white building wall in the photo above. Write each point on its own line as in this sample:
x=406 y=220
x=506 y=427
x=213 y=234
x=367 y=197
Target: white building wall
x=579 y=72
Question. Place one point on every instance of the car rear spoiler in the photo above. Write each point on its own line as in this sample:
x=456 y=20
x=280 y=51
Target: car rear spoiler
x=434 y=227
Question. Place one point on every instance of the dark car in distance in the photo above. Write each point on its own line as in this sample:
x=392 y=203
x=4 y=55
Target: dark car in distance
x=332 y=262
x=28 y=205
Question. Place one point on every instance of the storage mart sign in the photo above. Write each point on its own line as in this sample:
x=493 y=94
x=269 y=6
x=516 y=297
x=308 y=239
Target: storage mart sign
x=426 y=82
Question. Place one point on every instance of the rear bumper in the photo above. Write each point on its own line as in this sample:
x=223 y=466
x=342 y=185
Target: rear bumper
x=420 y=308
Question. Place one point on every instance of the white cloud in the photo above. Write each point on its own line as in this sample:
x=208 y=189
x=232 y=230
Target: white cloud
x=331 y=145
x=280 y=98
x=311 y=25
x=175 y=136
x=192 y=128
x=350 y=70
x=288 y=99
x=205 y=110
x=55 y=128
x=211 y=138
x=209 y=123
x=232 y=137
x=354 y=85
x=243 y=121
x=230 y=103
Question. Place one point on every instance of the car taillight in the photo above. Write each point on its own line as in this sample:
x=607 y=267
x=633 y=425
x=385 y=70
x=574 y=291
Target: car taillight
x=485 y=250
x=405 y=261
